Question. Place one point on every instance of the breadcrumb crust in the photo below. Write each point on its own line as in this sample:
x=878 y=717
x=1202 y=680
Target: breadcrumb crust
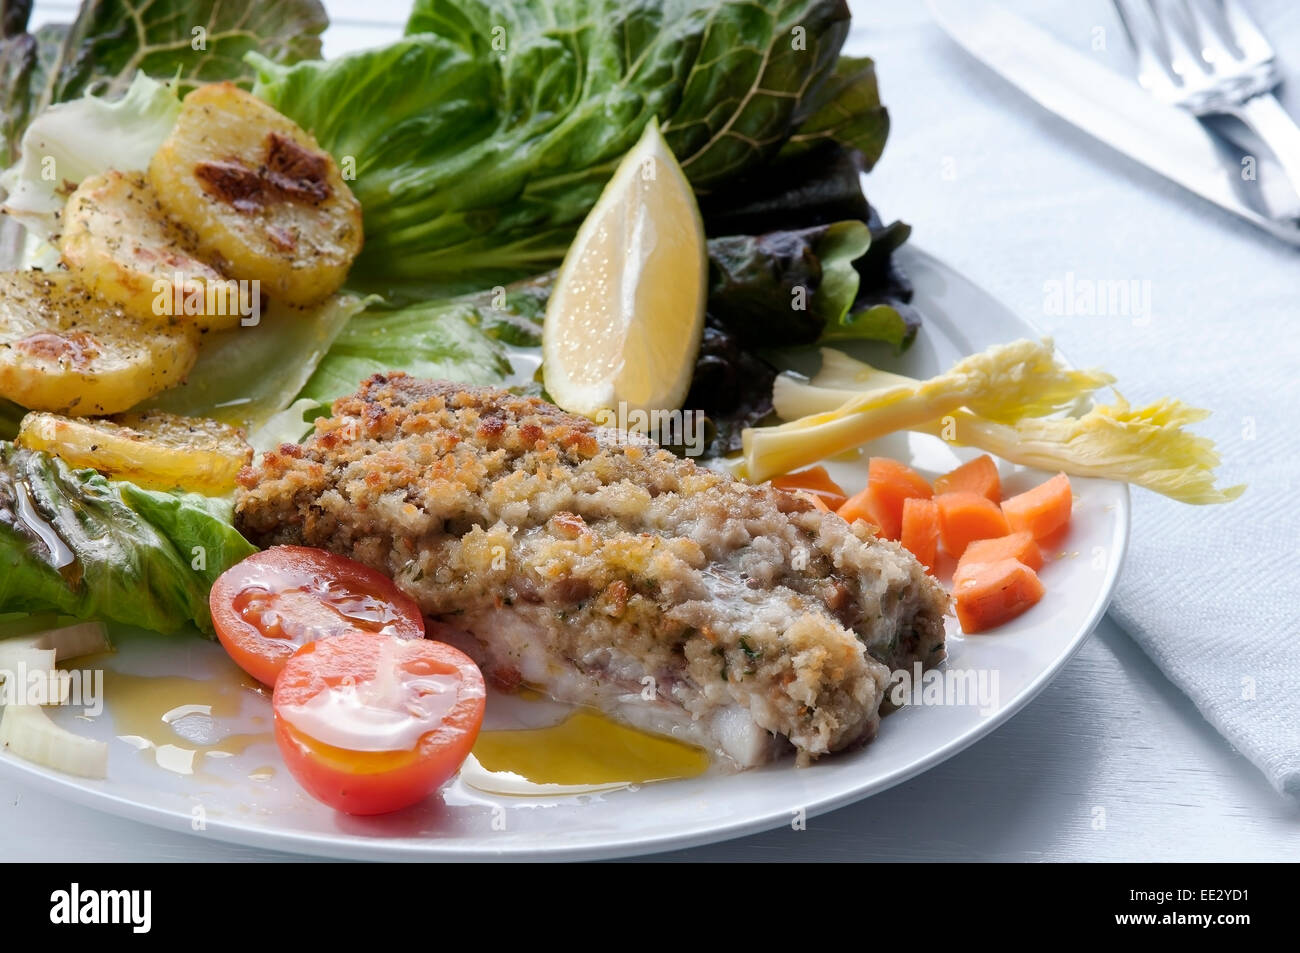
x=623 y=560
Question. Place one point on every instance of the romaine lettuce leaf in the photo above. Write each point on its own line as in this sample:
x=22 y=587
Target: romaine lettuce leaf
x=846 y=110
x=439 y=340
x=110 y=41
x=82 y=138
x=482 y=140
x=245 y=375
x=728 y=79
x=75 y=542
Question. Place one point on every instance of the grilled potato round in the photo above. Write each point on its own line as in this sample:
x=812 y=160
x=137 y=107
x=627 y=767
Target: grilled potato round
x=119 y=244
x=151 y=449
x=261 y=198
x=63 y=349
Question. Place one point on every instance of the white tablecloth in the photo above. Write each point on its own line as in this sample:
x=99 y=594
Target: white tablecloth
x=1018 y=199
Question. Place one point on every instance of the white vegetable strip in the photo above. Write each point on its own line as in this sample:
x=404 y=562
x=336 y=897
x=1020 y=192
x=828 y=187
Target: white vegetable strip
x=1004 y=383
x=72 y=641
x=25 y=729
x=23 y=656
x=28 y=732
x=1146 y=446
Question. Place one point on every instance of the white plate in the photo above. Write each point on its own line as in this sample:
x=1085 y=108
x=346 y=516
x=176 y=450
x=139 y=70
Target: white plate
x=233 y=799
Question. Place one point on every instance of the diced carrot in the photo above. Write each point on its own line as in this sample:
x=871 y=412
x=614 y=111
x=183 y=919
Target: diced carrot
x=920 y=532
x=975 y=476
x=1019 y=546
x=889 y=483
x=994 y=593
x=896 y=482
x=815 y=500
x=1042 y=510
x=865 y=506
x=816 y=481
x=966 y=517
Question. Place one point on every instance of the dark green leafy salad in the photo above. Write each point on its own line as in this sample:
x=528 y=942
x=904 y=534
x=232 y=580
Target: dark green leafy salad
x=476 y=145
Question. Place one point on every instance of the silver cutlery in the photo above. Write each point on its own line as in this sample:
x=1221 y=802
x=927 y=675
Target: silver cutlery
x=1163 y=137
x=1209 y=57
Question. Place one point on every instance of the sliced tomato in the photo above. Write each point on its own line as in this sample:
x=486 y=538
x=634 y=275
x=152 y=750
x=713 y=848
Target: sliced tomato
x=372 y=724
x=270 y=604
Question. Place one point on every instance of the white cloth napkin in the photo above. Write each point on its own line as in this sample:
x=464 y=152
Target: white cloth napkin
x=1017 y=198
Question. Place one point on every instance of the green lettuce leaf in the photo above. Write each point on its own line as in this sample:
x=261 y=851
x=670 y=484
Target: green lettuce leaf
x=781 y=289
x=846 y=110
x=438 y=340
x=751 y=295
x=189 y=41
x=246 y=375
x=729 y=80
x=501 y=122
x=841 y=244
x=83 y=138
x=77 y=543
x=890 y=323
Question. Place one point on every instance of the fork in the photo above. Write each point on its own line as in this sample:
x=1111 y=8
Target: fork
x=1210 y=58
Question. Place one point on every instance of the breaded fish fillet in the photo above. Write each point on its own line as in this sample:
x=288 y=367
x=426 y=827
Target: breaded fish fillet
x=605 y=571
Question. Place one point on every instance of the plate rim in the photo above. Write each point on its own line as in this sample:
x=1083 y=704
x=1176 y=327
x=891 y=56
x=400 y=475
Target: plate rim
x=88 y=792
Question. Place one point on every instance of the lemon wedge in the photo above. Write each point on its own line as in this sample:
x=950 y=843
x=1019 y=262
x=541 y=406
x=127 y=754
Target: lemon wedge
x=624 y=320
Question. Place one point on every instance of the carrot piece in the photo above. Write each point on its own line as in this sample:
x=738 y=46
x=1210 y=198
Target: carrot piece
x=1019 y=546
x=814 y=499
x=966 y=517
x=889 y=483
x=815 y=481
x=975 y=476
x=1042 y=510
x=896 y=482
x=994 y=593
x=865 y=506
x=920 y=532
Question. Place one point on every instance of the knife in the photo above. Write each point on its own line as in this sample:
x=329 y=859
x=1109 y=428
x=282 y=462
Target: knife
x=1112 y=109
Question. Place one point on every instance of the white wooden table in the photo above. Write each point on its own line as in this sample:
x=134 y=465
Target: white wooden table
x=1110 y=763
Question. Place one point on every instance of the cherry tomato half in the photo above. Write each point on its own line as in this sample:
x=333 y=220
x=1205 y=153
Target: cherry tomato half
x=371 y=724
x=267 y=606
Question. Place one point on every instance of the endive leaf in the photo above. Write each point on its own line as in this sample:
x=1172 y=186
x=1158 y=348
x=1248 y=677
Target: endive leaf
x=1146 y=446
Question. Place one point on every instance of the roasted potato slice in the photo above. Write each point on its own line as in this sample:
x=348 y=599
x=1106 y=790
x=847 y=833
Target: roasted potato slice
x=151 y=449
x=63 y=349
x=118 y=242
x=261 y=198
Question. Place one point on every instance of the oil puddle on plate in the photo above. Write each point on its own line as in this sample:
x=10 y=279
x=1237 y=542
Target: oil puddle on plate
x=530 y=747
x=583 y=752
x=182 y=723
